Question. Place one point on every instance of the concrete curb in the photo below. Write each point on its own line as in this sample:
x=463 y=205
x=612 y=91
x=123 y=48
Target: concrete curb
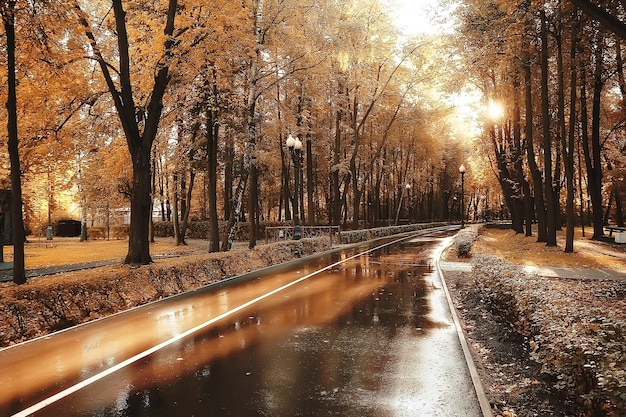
x=485 y=406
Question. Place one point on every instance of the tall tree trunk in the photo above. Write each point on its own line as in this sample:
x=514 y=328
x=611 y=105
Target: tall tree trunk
x=176 y=202
x=335 y=177
x=138 y=244
x=178 y=193
x=212 y=133
x=376 y=200
x=551 y=203
x=354 y=175
x=286 y=192
x=619 y=62
x=622 y=86
x=19 y=272
x=168 y=205
x=300 y=190
x=525 y=197
x=161 y=182
x=304 y=135
x=253 y=206
x=563 y=133
x=356 y=195
x=596 y=190
x=249 y=149
x=500 y=138
x=310 y=185
x=153 y=190
x=229 y=166
x=568 y=148
x=532 y=162
x=591 y=146
x=284 y=206
x=431 y=194
x=186 y=207
x=580 y=176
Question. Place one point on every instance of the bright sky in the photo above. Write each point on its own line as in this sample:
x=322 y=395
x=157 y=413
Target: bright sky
x=417 y=16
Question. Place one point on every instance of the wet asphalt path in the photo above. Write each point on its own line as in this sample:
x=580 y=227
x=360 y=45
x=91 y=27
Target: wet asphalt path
x=372 y=336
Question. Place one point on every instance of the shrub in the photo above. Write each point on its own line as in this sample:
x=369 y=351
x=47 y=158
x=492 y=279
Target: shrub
x=353 y=236
x=96 y=232
x=163 y=229
x=201 y=229
x=577 y=331
x=464 y=241
x=113 y=232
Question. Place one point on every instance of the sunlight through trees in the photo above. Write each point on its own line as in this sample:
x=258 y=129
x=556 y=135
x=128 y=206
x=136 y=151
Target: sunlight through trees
x=174 y=111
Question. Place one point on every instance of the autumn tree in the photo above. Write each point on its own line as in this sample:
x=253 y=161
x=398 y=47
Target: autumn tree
x=31 y=39
x=269 y=19
x=7 y=8
x=205 y=94
x=259 y=29
x=139 y=119
x=500 y=66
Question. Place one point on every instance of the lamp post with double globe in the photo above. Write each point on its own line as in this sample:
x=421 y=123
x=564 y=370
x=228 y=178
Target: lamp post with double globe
x=295 y=149
x=462 y=171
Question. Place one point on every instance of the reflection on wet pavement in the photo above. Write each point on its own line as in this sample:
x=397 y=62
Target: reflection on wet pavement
x=370 y=337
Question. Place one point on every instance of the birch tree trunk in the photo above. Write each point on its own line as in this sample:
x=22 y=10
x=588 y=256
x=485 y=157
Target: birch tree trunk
x=250 y=146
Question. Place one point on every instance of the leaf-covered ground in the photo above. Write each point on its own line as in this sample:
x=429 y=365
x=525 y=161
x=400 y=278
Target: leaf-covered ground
x=496 y=316
x=40 y=252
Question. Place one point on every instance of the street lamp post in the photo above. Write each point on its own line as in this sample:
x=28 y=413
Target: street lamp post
x=406 y=187
x=295 y=149
x=462 y=171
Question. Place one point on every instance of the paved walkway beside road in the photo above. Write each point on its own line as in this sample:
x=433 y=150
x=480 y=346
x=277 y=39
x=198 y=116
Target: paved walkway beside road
x=600 y=248
x=6 y=269
x=566 y=273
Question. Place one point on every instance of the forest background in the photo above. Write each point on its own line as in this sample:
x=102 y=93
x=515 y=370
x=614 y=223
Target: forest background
x=183 y=108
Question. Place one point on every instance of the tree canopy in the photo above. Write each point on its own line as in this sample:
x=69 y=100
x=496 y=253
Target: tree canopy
x=180 y=110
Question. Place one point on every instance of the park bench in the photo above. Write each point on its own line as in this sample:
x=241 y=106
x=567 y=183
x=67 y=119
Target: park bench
x=612 y=229
x=620 y=233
